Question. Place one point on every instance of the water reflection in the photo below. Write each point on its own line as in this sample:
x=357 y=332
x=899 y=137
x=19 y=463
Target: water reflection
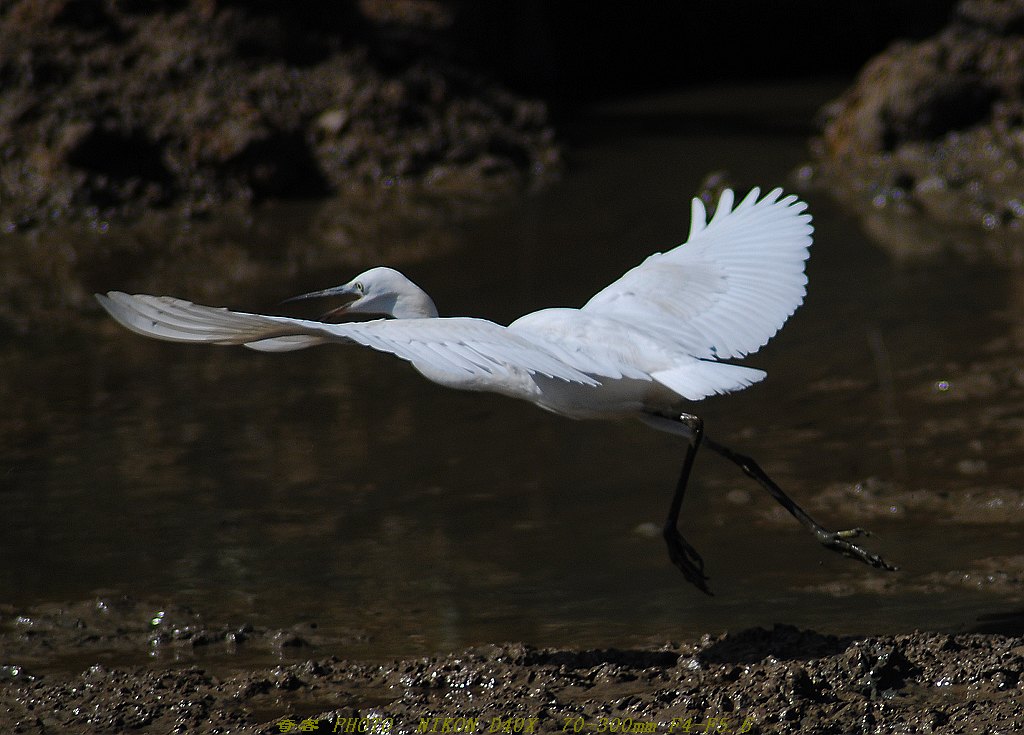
x=48 y=277
x=336 y=485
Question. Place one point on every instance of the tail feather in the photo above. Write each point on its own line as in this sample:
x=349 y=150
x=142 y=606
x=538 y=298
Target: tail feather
x=702 y=378
x=285 y=344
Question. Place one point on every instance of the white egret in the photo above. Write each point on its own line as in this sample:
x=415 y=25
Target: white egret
x=644 y=347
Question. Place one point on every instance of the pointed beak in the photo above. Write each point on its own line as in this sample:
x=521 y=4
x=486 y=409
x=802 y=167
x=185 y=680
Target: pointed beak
x=346 y=292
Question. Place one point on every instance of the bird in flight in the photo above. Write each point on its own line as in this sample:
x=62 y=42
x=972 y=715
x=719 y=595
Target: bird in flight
x=644 y=347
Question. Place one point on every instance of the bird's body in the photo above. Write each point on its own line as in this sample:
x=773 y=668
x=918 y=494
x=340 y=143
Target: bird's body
x=648 y=343
x=638 y=372
x=644 y=347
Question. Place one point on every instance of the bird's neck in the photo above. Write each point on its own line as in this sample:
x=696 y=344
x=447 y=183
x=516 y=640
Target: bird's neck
x=414 y=304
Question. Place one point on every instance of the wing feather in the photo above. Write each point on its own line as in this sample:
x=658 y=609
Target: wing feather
x=482 y=361
x=727 y=290
x=461 y=344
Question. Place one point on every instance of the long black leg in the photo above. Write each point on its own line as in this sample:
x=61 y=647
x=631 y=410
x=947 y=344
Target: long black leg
x=837 y=541
x=682 y=554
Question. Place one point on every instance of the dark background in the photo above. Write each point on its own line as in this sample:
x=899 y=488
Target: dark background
x=571 y=53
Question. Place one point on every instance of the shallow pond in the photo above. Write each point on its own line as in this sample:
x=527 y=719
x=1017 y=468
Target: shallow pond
x=337 y=487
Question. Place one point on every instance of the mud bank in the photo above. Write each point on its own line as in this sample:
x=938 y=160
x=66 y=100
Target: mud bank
x=111 y=109
x=756 y=681
x=928 y=144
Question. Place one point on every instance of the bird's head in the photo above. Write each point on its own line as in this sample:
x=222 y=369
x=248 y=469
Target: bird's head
x=380 y=291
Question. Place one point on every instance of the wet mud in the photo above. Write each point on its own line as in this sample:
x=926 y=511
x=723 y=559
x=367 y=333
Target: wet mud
x=750 y=681
x=926 y=145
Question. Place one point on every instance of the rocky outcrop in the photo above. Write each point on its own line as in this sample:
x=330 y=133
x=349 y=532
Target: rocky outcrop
x=937 y=127
x=111 y=107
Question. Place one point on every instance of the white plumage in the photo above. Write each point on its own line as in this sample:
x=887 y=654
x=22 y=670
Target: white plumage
x=644 y=345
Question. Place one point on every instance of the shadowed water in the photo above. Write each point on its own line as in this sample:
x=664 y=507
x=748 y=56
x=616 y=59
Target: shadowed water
x=337 y=486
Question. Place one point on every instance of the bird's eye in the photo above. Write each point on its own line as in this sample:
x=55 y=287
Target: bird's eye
x=359 y=287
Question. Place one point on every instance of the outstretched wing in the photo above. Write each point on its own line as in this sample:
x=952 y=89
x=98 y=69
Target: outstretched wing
x=730 y=287
x=458 y=346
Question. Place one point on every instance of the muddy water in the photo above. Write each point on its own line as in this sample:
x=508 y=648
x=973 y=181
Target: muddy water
x=335 y=488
